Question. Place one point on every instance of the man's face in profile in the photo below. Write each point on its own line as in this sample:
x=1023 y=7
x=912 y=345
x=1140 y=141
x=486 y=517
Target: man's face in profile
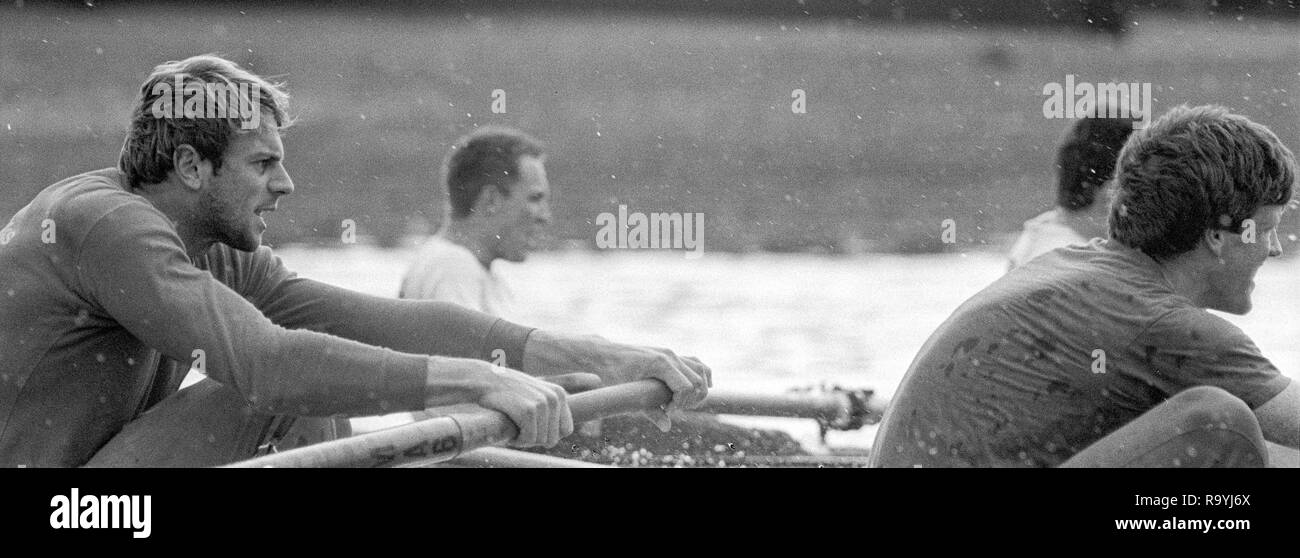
x=249 y=184
x=522 y=217
x=1234 y=280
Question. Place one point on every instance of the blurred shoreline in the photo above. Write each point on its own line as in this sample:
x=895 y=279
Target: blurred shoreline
x=908 y=125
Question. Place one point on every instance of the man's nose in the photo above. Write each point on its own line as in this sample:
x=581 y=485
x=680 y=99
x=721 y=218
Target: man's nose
x=1274 y=245
x=281 y=183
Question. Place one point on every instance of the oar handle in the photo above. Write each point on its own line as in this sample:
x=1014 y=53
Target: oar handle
x=620 y=399
x=445 y=437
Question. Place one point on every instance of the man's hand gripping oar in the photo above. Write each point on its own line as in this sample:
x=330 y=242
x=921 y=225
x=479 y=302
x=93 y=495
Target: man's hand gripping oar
x=549 y=355
x=445 y=437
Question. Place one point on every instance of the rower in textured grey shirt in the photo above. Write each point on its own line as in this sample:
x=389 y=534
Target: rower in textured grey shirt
x=1104 y=354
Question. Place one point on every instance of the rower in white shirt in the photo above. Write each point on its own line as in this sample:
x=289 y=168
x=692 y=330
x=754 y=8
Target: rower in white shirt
x=498 y=207
x=1085 y=162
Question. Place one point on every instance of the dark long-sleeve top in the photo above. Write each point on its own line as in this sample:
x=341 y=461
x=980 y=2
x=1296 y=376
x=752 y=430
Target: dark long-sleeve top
x=99 y=301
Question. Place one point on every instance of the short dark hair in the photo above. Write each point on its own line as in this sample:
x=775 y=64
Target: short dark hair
x=486 y=156
x=1193 y=170
x=1086 y=158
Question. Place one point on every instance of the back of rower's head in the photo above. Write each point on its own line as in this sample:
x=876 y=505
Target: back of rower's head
x=1192 y=171
x=208 y=83
x=1085 y=160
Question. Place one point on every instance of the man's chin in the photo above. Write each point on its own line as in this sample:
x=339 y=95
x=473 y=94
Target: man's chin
x=515 y=256
x=245 y=243
x=1237 y=307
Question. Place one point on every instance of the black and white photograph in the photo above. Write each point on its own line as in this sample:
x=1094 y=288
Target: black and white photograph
x=661 y=234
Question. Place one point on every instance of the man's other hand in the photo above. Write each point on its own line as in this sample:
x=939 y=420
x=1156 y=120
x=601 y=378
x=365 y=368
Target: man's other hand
x=537 y=407
x=549 y=354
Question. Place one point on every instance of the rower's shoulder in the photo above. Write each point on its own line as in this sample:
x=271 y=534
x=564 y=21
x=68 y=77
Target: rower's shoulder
x=442 y=258
x=88 y=197
x=1191 y=326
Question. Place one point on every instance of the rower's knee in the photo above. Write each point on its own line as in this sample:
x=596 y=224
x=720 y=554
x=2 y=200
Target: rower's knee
x=1209 y=405
x=1212 y=417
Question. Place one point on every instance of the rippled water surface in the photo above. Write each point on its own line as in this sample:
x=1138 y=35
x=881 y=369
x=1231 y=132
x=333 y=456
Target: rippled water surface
x=767 y=322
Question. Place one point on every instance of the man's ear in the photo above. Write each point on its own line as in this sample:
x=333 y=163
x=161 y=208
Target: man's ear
x=488 y=200
x=190 y=167
x=1214 y=239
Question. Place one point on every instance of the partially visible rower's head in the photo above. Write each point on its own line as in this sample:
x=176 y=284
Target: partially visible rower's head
x=1206 y=188
x=1085 y=158
x=212 y=129
x=496 y=184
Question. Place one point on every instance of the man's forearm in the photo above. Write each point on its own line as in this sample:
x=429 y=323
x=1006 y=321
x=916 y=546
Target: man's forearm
x=453 y=381
x=1282 y=457
x=549 y=354
x=1279 y=417
x=408 y=326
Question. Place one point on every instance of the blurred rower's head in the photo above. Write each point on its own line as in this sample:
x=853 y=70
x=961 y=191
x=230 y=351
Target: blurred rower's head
x=1085 y=160
x=212 y=130
x=1206 y=189
x=496 y=184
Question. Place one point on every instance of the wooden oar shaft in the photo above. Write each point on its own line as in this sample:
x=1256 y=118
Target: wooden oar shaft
x=826 y=406
x=445 y=437
x=804 y=461
x=507 y=458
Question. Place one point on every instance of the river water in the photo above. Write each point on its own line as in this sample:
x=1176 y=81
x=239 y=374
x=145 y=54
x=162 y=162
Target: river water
x=767 y=323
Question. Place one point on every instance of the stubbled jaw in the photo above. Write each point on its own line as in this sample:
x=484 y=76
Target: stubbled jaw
x=260 y=213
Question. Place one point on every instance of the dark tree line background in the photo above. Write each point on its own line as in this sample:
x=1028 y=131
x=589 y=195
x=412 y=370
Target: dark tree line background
x=917 y=111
